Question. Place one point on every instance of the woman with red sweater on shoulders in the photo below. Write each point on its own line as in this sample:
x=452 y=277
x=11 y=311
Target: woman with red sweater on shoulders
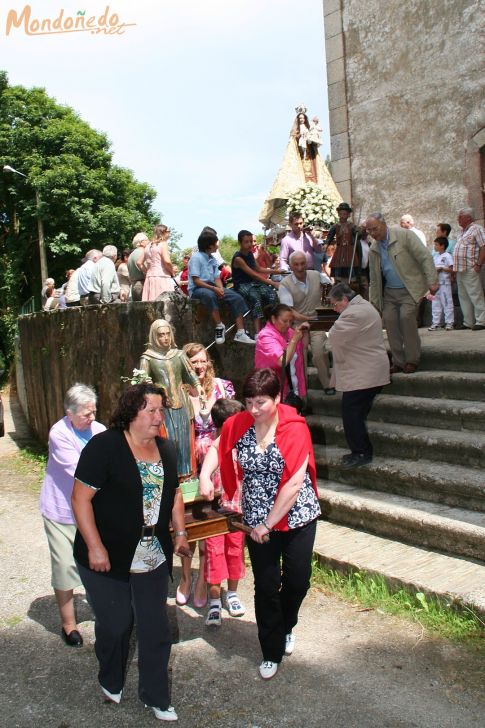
x=279 y=503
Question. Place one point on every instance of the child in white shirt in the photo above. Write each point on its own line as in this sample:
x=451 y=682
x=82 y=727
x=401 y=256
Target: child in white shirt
x=442 y=303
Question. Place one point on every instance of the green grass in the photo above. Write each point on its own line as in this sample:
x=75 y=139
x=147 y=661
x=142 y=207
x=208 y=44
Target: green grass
x=449 y=620
x=34 y=454
x=32 y=461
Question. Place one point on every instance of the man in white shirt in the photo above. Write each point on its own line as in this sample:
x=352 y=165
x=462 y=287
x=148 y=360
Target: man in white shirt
x=407 y=222
x=105 y=286
x=302 y=290
x=84 y=274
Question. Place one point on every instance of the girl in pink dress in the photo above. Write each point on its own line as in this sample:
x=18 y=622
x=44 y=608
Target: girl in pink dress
x=155 y=259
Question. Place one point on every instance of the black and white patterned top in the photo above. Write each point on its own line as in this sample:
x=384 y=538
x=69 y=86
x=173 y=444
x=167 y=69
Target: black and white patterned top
x=262 y=471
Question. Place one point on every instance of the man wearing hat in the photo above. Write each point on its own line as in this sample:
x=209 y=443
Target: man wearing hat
x=345 y=264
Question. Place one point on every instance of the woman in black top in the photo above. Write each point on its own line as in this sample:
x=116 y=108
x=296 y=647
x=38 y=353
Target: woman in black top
x=125 y=494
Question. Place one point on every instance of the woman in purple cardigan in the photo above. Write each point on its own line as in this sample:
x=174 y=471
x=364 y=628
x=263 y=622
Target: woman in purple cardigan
x=66 y=440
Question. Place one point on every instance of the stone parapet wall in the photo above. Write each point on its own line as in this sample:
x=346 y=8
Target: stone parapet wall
x=97 y=345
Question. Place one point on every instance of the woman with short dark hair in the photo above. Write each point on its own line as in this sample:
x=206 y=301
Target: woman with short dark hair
x=279 y=504
x=125 y=494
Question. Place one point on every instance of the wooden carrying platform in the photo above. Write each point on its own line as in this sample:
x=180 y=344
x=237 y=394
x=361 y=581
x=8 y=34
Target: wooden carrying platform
x=324 y=321
x=205 y=518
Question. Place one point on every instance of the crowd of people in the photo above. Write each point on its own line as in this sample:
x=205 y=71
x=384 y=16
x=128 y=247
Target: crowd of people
x=112 y=499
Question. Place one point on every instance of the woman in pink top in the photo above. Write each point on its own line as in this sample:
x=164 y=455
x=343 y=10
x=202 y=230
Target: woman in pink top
x=156 y=258
x=276 y=337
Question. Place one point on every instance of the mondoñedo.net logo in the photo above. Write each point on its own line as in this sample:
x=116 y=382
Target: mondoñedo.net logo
x=23 y=21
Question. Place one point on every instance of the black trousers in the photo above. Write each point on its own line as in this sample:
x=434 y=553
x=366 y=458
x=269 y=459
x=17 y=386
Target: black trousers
x=116 y=605
x=356 y=406
x=282 y=569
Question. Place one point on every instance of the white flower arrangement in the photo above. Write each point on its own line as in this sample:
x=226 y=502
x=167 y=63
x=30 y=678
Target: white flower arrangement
x=316 y=207
x=138 y=377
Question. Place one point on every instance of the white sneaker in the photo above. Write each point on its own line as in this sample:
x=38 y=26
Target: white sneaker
x=434 y=327
x=214 y=618
x=242 y=338
x=268 y=669
x=111 y=697
x=290 y=640
x=168 y=714
x=234 y=606
x=449 y=327
x=220 y=333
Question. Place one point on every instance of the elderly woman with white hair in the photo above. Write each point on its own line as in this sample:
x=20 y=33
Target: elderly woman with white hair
x=67 y=438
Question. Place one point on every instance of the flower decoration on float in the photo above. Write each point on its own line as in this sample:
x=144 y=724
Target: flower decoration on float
x=317 y=208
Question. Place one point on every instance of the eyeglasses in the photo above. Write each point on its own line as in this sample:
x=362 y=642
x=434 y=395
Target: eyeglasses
x=334 y=304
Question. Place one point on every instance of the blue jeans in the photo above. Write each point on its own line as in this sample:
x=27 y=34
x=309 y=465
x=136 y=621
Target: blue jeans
x=211 y=301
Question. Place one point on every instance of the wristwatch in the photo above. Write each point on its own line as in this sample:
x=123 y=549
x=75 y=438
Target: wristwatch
x=181 y=533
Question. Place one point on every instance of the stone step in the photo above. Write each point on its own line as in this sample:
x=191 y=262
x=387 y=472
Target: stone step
x=460 y=351
x=449 y=414
x=451 y=530
x=437 y=385
x=456 y=486
x=446 y=577
x=407 y=441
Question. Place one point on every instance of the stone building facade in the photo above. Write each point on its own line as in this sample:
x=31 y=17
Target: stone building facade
x=406 y=85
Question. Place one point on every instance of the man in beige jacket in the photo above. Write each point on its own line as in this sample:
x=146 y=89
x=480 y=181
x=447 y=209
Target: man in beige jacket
x=401 y=272
x=361 y=367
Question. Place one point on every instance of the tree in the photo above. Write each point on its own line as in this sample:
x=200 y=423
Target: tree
x=86 y=200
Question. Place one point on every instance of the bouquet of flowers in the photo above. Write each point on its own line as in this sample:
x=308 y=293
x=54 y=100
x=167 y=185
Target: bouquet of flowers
x=138 y=377
x=316 y=207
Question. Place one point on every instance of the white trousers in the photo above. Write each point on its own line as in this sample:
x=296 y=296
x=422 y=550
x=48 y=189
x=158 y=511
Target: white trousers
x=442 y=306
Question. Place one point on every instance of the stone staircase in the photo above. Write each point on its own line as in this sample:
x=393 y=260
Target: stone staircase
x=416 y=514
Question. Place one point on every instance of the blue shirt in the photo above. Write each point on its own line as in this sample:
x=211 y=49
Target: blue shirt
x=84 y=277
x=388 y=271
x=202 y=266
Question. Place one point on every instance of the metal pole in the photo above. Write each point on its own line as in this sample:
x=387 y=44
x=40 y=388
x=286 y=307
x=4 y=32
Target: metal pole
x=40 y=228
x=40 y=224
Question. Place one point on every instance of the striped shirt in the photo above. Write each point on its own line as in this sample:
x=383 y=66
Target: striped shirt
x=468 y=244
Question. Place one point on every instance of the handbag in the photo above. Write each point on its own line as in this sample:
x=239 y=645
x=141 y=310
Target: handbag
x=292 y=398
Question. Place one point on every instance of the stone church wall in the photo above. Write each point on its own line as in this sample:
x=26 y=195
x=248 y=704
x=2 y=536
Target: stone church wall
x=407 y=118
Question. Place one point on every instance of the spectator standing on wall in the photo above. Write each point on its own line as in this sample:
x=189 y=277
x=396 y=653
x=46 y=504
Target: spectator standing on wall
x=123 y=277
x=104 y=286
x=137 y=275
x=48 y=283
x=84 y=274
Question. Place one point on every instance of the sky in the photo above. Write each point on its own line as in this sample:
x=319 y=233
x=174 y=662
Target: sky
x=197 y=98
